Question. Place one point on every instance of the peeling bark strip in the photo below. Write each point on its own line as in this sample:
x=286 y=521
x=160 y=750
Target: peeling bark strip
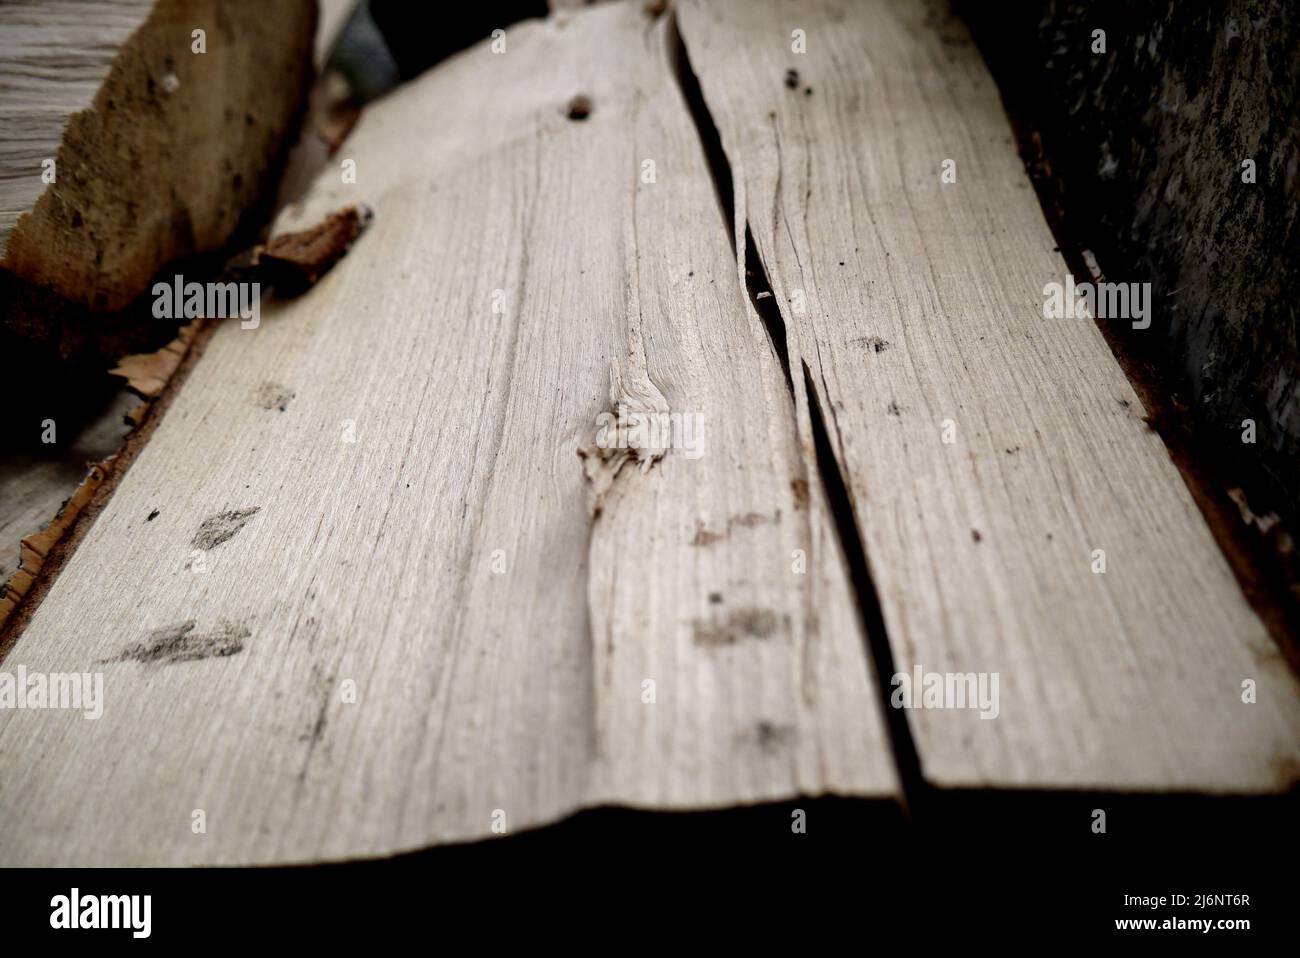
x=147 y=374
x=293 y=261
x=863 y=242
x=35 y=547
x=109 y=97
x=442 y=561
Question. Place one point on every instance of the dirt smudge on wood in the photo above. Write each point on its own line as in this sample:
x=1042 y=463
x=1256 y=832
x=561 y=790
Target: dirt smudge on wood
x=736 y=626
x=273 y=396
x=799 y=489
x=222 y=526
x=180 y=643
x=705 y=536
x=772 y=737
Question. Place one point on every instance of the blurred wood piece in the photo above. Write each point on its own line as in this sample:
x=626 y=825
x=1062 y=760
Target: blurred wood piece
x=157 y=150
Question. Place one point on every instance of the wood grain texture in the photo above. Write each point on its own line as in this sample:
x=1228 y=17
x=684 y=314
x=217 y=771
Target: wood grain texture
x=498 y=610
x=924 y=304
x=159 y=149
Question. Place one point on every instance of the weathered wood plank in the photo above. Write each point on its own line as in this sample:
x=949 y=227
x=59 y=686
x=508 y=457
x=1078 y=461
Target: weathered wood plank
x=924 y=308
x=1153 y=137
x=426 y=531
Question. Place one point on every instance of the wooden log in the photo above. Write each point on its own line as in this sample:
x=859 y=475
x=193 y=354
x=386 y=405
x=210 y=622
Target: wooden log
x=1018 y=515
x=128 y=140
x=374 y=584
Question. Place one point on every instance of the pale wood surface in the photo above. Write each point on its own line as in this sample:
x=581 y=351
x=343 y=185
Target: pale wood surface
x=924 y=304
x=372 y=561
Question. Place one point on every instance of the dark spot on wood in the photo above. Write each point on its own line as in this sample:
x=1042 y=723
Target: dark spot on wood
x=975 y=535
x=772 y=737
x=894 y=409
x=222 y=526
x=874 y=343
x=792 y=79
x=152 y=516
x=749 y=519
x=273 y=396
x=799 y=487
x=316 y=731
x=704 y=536
x=715 y=598
x=179 y=643
x=579 y=107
